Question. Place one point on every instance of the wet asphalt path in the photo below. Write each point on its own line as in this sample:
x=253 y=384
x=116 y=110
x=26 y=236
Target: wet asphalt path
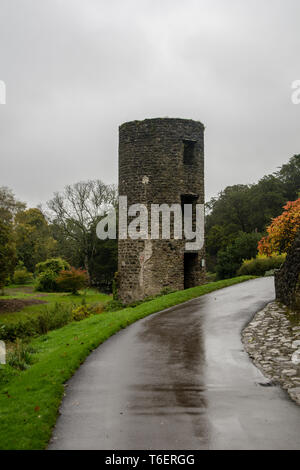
x=180 y=379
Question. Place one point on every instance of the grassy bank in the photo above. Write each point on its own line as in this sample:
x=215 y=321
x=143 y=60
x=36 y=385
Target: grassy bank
x=29 y=401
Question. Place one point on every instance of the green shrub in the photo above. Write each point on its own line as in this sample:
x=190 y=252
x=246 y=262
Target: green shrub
x=22 y=276
x=80 y=313
x=48 y=272
x=113 y=306
x=230 y=259
x=271 y=272
x=210 y=277
x=46 y=281
x=85 y=311
x=21 y=356
x=72 y=280
x=19 y=329
x=260 y=265
x=55 y=265
x=51 y=318
x=97 y=308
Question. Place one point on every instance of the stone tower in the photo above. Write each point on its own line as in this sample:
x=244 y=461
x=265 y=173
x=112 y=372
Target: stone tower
x=161 y=161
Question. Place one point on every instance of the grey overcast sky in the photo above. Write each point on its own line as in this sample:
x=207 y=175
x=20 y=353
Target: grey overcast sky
x=76 y=69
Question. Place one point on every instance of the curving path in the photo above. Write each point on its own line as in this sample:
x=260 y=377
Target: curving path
x=180 y=379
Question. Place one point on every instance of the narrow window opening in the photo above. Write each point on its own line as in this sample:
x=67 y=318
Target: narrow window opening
x=189 y=151
x=189 y=199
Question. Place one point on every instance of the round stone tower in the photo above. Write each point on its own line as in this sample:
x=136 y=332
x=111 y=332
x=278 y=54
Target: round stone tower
x=161 y=161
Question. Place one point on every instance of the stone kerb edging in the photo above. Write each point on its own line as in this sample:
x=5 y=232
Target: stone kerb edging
x=272 y=340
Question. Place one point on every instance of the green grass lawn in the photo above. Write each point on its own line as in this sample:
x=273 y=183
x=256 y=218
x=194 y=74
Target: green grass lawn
x=29 y=401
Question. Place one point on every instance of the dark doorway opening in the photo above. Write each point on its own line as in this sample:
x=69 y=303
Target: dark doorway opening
x=190 y=266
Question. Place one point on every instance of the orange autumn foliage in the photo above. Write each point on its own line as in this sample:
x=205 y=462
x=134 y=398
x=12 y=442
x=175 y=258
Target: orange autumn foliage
x=282 y=231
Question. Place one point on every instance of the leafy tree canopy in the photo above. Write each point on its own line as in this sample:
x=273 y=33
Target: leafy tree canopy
x=75 y=213
x=33 y=238
x=9 y=205
x=249 y=208
x=282 y=231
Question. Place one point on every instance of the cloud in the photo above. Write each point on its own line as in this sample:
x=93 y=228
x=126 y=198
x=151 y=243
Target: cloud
x=76 y=70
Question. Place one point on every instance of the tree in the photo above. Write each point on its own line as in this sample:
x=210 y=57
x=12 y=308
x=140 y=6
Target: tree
x=33 y=238
x=72 y=280
x=249 y=208
x=289 y=175
x=56 y=265
x=66 y=246
x=232 y=206
x=7 y=253
x=217 y=238
x=21 y=274
x=48 y=272
x=230 y=258
x=104 y=264
x=266 y=199
x=76 y=212
x=9 y=205
x=282 y=231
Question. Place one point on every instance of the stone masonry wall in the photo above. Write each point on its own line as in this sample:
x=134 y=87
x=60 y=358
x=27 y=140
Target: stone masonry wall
x=152 y=170
x=287 y=279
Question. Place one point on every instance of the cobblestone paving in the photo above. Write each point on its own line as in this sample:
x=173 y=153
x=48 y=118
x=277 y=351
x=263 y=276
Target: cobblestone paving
x=272 y=340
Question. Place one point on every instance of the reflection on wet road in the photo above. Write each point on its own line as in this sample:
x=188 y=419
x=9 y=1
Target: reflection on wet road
x=180 y=380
